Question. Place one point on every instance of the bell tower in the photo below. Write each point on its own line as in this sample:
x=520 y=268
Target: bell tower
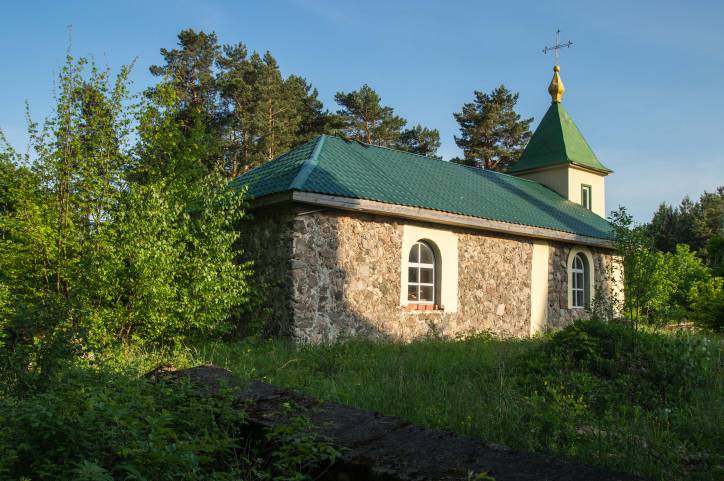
x=558 y=156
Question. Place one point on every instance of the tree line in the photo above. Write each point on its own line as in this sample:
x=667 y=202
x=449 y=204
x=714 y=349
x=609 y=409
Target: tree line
x=253 y=113
x=698 y=224
x=673 y=265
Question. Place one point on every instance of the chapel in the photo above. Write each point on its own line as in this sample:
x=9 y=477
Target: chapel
x=351 y=239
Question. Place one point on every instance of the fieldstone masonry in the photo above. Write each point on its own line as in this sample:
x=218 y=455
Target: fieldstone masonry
x=559 y=315
x=266 y=240
x=336 y=274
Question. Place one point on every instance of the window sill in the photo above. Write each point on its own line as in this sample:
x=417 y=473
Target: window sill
x=423 y=307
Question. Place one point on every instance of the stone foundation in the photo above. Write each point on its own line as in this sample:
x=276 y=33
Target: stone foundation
x=335 y=274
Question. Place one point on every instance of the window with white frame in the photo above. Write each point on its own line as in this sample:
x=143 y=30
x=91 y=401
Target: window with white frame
x=421 y=274
x=579 y=282
x=586 y=196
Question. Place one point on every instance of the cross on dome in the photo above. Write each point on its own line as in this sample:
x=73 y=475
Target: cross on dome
x=556 y=88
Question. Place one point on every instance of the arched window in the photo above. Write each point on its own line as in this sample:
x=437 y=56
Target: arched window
x=580 y=291
x=421 y=274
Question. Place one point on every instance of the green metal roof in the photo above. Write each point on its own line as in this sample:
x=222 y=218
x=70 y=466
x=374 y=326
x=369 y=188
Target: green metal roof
x=557 y=141
x=334 y=166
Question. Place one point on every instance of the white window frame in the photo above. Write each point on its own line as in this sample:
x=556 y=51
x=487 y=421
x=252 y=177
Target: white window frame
x=420 y=266
x=589 y=275
x=445 y=245
x=587 y=196
x=578 y=281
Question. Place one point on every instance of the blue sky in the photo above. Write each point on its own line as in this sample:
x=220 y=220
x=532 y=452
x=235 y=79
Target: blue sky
x=644 y=80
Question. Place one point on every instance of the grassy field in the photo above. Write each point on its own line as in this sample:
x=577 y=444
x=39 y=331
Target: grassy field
x=650 y=405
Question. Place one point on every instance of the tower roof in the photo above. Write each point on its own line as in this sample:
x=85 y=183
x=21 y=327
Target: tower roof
x=557 y=140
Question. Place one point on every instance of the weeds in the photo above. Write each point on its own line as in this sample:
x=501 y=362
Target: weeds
x=651 y=405
x=584 y=392
x=103 y=424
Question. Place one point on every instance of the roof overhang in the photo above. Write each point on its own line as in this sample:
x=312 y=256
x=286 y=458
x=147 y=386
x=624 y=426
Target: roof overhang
x=564 y=165
x=428 y=215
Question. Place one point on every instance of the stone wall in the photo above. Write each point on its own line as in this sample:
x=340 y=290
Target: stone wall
x=266 y=240
x=559 y=314
x=494 y=282
x=346 y=280
x=333 y=274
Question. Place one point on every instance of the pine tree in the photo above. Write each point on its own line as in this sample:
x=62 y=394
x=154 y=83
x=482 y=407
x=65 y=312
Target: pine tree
x=264 y=114
x=662 y=228
x=712 y=211
x=492 y=134
x=280 y=112
x=236 y=82
x=312 y=119
x=189 y=70
x=691 y=227
x=188 y=75
x=419 y=140
x=365 y=119
x=691 y=223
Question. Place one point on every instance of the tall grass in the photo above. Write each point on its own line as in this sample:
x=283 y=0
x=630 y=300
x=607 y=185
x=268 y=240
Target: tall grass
x=450 y=385
x=653 y=407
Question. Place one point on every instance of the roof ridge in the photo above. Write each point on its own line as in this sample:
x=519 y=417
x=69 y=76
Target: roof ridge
x=583 y=138
x=561 y=119
x=308 y=165
x=434 y=159
x=494 y=172
x=588 y=146
x=394 y=150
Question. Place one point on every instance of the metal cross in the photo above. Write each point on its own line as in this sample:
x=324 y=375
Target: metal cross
x=557 y=46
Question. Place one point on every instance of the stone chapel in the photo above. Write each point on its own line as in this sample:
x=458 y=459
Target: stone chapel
x=353 y=239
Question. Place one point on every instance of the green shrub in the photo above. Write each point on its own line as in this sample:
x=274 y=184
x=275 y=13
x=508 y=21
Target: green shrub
x=657 y=285
x=169 y=271
x=687 y=269
x=715 y=254
x=609 y=363
x=104 y=240
x=97 y=424
x=707 y=303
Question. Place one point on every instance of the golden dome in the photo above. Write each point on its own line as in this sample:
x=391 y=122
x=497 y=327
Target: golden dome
x=556 y=87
